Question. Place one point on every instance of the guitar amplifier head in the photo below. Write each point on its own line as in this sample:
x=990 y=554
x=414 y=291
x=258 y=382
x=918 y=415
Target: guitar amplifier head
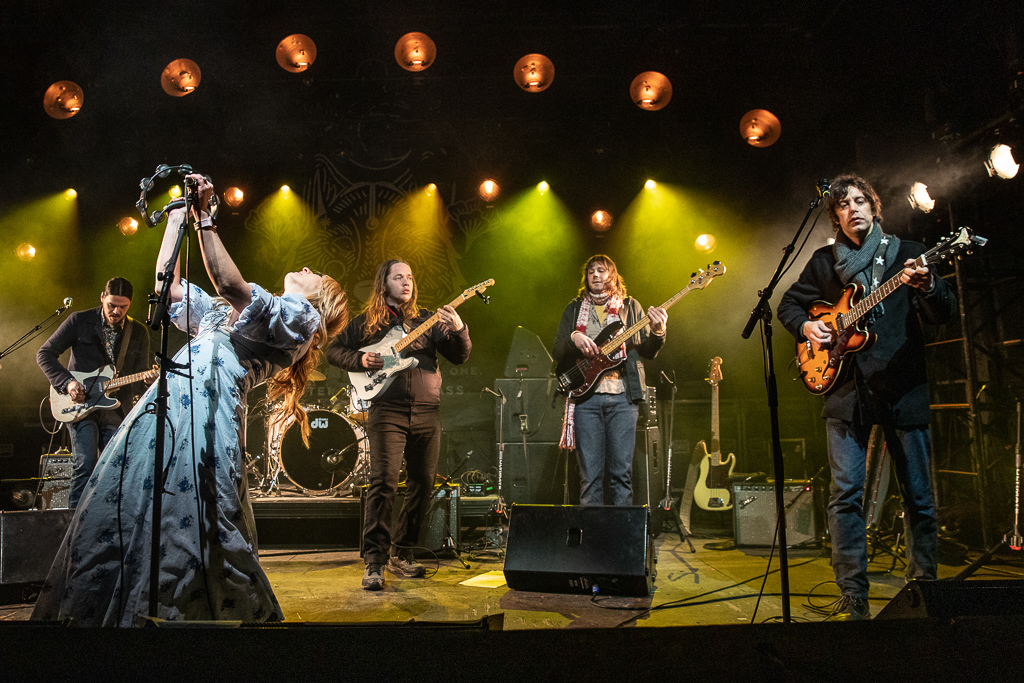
x=55 y=471
x=649 y=408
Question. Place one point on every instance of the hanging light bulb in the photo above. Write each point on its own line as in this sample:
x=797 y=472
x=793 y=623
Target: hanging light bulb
x=760 y=128
x=25 y=251
x=180 y=77
x=534 y=72
x=233 y=196
x=650 y=90
x=489 y=190
x=705 y=243
x=63 y=99
x=128 y=226
x=296 y=53
x=600 y=220
x=415 y=51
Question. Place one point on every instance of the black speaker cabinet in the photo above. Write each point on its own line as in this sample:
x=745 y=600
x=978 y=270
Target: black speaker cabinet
x=754 y=514
x=648 y=472
x=441 y=526
x=29 y=541
x=536 y=477
x=947 y=599
x=576 y=549
x=55 y=471
x=531 y=406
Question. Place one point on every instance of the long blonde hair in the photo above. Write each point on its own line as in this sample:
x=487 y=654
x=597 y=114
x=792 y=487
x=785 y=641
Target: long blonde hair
x=290 y=384
x=618 y=285
x=376 y=308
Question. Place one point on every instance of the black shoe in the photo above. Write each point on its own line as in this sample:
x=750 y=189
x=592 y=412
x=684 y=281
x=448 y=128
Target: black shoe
x=406 y=567
x=373 y=577
x=852 y=608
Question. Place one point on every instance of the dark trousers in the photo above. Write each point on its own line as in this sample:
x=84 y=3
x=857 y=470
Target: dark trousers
x=393 y=432
x=89 y=436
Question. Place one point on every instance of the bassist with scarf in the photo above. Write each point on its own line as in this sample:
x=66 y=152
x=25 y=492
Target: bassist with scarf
x=884 y=383
x=601 y=426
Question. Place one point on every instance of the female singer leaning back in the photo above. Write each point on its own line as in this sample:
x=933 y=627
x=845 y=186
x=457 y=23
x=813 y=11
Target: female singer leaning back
x=209 y=565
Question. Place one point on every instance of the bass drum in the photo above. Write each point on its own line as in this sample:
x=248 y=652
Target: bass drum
x=337 y=453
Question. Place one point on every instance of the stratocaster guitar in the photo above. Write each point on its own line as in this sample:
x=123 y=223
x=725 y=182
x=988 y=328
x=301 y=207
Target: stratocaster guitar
x=578 y=376
x=98 y=385
x=820 y=369
x=712 y=490
x=368 y=384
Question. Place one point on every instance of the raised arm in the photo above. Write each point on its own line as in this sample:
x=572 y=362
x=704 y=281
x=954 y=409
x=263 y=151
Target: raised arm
x=223 y=272
x=174 y=220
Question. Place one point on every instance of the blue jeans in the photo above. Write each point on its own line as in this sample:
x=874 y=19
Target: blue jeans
x=89 y=436
x=910 y=450
x=605 y=441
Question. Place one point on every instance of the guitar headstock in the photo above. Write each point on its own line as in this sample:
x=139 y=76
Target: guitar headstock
x=958 y=243
x=715 y=371
x=703 y=277
x=479 y=290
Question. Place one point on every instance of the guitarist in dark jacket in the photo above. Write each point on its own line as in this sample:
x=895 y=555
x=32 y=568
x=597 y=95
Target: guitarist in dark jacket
x=95 y=338
x=403 y=420
x=602 y=426
x=885 y=384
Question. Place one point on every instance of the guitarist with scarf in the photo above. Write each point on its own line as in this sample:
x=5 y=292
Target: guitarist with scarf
x=884 y=383
x=602 y=426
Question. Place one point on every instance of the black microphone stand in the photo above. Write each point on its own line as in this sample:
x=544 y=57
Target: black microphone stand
x=161 y=320
x=28 y=336
x=763 y=313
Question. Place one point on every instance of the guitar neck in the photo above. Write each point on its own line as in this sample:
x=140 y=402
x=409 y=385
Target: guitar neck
x=861 y=308
x=119 y=382
x=427 y=324
x=716 y=447
x=619 y=339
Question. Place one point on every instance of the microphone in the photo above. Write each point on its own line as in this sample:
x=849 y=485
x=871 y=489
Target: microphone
x=823 y=187
x=665 y=377
x=67 y=304
x=491 y=391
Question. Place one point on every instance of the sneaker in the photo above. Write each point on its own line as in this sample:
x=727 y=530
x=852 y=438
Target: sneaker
x=373 y=577
x=406 y=567
x=852 y=608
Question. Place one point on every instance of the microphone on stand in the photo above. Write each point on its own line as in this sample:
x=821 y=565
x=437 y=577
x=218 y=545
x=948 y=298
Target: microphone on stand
x=665 y=377
x=823 y=187
x=490 y=391
x=67 y=304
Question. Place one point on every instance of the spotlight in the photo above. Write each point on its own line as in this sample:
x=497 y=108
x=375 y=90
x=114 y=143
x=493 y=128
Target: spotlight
x=180 y=77
x=534 y=72
x=25 y=251
x=430 y=189
x=650 y=186
x=415 y=51
x=128 y=226
x=233 y=196
x=63 y=99
x=919 y=197
x=1001 y=162
x=285 y=190
x=650 y=90
x=70 y=193
x=543 y=186
x=760 y=128
x=706 y=243
x=296 y=53
x=175 y=191
x=489 y=190
x=600 y=220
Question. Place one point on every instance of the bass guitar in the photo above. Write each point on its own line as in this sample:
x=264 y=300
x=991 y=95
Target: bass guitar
x=368 y=384
x=578 y=375
x=712 y=490
x=820 y=369
x=98 y=385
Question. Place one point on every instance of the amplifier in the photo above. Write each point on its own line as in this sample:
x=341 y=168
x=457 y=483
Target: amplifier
x=441 y=525
x=54 y=489
x=754 y=514
x=29 y=540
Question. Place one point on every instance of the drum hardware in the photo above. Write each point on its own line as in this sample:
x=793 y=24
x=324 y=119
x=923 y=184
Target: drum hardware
x=337 y=458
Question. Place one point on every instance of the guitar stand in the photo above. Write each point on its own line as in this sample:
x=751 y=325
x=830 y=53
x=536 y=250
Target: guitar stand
x=666 y=508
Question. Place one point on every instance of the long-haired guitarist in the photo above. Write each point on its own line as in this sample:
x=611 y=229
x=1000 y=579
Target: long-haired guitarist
x=883 y=380
x=96 y=338
x=403 y=420
x=601 y=425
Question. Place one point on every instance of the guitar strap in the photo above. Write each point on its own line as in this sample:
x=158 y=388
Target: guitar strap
x=128 y=325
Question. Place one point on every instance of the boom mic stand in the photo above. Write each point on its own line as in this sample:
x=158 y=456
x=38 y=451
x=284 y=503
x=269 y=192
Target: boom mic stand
x=30 y=335
x=762 y=313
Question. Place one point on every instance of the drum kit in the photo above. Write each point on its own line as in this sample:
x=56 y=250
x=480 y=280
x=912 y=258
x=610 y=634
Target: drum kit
x=337 y=460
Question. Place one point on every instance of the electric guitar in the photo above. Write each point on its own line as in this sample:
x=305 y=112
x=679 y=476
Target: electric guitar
x=578 y=375
x=368 y=384
x=820 y=369
x=712 y=490
x=98 y=385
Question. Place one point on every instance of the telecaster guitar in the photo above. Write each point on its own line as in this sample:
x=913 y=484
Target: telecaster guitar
x=98 y=385
x=367 y=385
x=578 y=376
x=712 y=490
x=820 y=369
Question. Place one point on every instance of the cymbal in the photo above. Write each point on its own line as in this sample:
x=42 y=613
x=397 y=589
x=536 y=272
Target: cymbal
x=316 y=376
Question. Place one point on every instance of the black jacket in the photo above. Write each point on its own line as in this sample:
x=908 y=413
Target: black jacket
x=887 y=382
x=82 y=332
x=418 y=385
x=643 y=343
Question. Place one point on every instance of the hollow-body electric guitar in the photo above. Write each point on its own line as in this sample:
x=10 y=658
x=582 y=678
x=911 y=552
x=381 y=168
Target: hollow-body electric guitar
x=368 y=384
x=578 y=375
x=712 y=490
x=98 y=385
x=820 y=369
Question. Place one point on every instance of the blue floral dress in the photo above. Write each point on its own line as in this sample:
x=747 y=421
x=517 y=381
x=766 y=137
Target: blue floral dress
x=209 y=566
